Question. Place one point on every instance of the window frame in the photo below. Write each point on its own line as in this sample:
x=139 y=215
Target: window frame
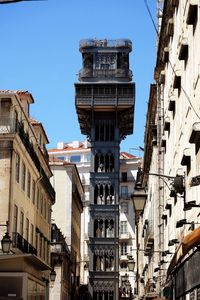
x=17 y=167
x=29 y=184
x=23 y=182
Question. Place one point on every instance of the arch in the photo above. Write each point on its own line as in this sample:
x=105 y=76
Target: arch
x=109 y=194
x=99 y=164
x=96 y=194
x=96 y=224
x=109 y=228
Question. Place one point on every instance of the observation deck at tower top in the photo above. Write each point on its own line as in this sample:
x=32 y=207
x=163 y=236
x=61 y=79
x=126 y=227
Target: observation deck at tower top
x=105 y=83
x=105 y=60
x=104 y=43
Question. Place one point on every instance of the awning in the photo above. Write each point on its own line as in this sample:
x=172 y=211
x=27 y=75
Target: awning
x=190 y=241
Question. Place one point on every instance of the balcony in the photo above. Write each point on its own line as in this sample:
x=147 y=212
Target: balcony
x=124 y=257
x=127 y=179
x=126 y=196
x=125 y=236
x=19 y=242
x=105 y=74
x=109 y=95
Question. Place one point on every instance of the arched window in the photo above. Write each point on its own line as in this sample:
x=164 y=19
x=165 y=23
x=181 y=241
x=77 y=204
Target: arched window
x=109 y=228
x=110 y=196
x=96 y=223
x=96 y=194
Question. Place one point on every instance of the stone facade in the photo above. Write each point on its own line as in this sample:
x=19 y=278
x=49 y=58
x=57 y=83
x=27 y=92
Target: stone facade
x=26 y=197
x=67 y=216
x=176 y=144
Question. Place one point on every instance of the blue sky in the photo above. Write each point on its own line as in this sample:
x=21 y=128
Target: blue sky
x=40 y=53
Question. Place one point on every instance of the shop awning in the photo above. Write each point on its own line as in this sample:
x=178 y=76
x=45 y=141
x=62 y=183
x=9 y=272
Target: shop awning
x=190 y=241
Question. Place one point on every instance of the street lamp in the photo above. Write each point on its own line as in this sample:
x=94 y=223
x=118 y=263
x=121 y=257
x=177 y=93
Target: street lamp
x=6 y=243
x=6 y=240
x=131 y=263
x=139 y=199
x=52 y=275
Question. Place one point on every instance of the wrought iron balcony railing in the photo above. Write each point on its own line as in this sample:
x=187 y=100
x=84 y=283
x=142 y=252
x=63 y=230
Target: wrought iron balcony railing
x=105 y=73
x=125 y=235
x=19 y=242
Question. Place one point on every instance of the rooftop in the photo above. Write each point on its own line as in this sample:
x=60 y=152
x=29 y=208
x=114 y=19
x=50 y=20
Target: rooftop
x=105 y=43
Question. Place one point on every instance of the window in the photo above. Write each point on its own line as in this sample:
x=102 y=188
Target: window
x=23 y=176
x=33 y=191
x=40 y=139
x=88 y=157
x=38 y=197
x=21 y=229
x=29 y=185
x=16 y=119
x=105 y=61
x=45 y=208
x=124 y=207
x=27 y=229
x=47 y=252
x=41 y=203
x=124 y=176
x=123 y=265
x=192 y=15
x=32 y=232
x=36 y=240
x=124 y=191
x=49 y=214
x=104 y=130
x=40 y=246
x=123 y=248
x=123 y=227
x=61 y=157
x=15 y=218
x=75 y=158
x=17 y=167
x=44 y=249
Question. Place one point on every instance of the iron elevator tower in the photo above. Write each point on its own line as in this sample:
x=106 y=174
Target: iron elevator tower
x=105 y=105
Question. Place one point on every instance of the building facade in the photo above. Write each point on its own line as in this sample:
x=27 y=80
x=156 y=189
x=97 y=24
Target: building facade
x=104 y=103
x=26 y=198
x=62 y=263
x=67 y=216
x=176 y=143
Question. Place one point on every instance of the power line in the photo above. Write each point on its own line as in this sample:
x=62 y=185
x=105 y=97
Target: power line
x=184 y=91
x=152 y=20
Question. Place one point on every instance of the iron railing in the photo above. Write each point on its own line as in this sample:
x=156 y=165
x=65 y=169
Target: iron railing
x=105 y=73
x=19 y=242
